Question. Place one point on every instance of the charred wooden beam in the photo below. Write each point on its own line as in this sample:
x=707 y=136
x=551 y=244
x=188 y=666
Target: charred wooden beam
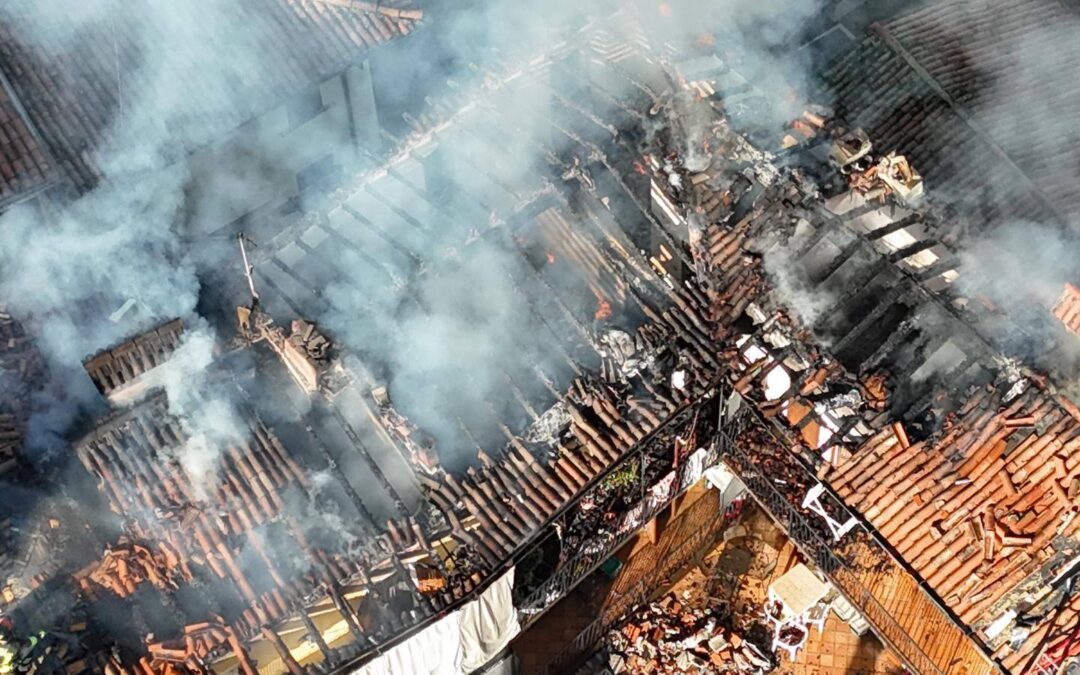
x=283 y=651
x=366 y=455
x=895 y=226
x=315 y=636
x=871 y=318
x=908 y=251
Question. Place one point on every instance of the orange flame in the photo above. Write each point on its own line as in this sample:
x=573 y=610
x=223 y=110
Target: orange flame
x=603 y=307
x=551 y=257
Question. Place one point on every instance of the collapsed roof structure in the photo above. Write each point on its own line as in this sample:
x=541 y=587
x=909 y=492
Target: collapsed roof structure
x=663 y=268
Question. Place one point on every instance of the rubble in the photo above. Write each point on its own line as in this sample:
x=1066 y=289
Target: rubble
x=126 y=565
x=669 y=637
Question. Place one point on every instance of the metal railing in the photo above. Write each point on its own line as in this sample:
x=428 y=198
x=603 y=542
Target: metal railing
x=819 y=550
x=599 y=548
x=643 y=590
x=751 y=416
x=681 y=415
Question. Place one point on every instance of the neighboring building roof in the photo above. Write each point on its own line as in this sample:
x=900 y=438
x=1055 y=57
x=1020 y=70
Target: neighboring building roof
x=73 y=87
x=1010 y=64
x=941 y=85
x=877 y=89
x=24 y=164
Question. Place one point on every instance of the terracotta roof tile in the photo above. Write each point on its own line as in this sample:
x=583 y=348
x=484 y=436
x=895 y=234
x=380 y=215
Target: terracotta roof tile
x=70 y=87
x=977 y=509
x=1068 y=308
x=115 y=368
x=23 y=166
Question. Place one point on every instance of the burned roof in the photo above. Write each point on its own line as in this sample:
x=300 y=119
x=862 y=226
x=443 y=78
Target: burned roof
x=635 y=344
x=961 y=460
x=113 y=369
x=73 y=70
x=435 y=518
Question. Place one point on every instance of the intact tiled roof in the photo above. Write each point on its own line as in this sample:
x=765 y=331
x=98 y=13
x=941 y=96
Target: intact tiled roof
x=966 y=90
x=24 y=164
x=980 y=510
x=76 y=75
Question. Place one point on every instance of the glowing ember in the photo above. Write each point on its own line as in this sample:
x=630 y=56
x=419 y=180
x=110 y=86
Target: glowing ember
x=603 y=307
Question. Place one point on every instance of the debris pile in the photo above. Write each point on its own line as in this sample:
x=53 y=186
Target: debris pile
x=21 y=368
x=199 y=644
x=126 y=565
x=669 y=637
x=418 y=445
x=891 y=175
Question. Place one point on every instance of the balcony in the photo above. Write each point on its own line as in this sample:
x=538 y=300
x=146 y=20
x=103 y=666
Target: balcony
x=892 y=600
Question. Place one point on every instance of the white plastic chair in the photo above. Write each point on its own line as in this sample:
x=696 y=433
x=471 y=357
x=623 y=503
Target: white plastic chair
x=792 y=648
x=816 y=616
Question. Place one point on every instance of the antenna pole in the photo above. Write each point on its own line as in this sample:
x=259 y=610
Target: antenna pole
x=248 y=269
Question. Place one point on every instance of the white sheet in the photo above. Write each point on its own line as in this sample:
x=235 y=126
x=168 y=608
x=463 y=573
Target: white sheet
x=458 y=643
x=436 y=650
x=488 y=623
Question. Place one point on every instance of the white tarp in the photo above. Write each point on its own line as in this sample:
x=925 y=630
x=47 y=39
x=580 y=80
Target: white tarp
x=458 y=643
x=436 y=650
x=488 y=623
x=719 y=477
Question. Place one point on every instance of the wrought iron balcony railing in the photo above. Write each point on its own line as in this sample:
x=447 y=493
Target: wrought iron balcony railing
x=817 y=548
x=706 y=529
x=655 y=494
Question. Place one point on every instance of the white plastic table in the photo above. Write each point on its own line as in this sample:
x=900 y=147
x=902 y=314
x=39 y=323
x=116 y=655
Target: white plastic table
x=798 y=590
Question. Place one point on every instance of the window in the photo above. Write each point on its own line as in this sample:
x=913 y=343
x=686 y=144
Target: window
x=305 y=106
x=319 y=173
